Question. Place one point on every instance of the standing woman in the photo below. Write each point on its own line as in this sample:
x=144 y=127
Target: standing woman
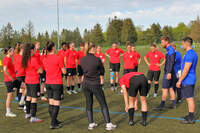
x=71 y=58
x=102 y=57
x=132 y=83
x=54 y=67
x=20 y=74
x=33 y=70
x=80 y=55
x=9 y=79
x=114 y=55
x=92 y=70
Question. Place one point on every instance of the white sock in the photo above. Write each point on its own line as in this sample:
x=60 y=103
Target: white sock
x=8 y=110
x=22 y=99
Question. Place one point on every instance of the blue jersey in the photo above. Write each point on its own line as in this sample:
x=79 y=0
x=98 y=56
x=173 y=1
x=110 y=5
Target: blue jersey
x=170 y=60
x=190 y=57
x=177 y=66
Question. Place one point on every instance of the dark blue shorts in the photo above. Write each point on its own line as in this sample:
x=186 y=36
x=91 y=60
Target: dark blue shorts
x=167 y=84
x=187 y=91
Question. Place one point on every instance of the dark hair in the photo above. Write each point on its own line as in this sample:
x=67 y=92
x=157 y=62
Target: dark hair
x=27 y=54
x=128 y=43
x=188 y=39
x=165 y=38
x=88 y=47
x=82 y=44
x=49 y=46
x=5 y=51
x=17 y=47
x=115 y=43
x=153 y=45
x=63 y=43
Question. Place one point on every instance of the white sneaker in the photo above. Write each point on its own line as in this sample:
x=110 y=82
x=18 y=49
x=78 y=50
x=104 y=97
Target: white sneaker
x=25 y=109
x=92 y=126
x=155 y=95
x=10 y=114
x=112 y=88
x=69 y=92
x=121 y=91
x=35 y=120
x=116 y=88
x=74 y=91
x=110 y=126
x=27 y=116
x=147 y=95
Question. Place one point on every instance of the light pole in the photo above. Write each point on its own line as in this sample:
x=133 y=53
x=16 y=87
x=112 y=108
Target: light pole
x=58 y=22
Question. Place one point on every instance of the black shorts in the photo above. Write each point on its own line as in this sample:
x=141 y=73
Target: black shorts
x=54 y=91
x=71 y=71
x=135 y=69
x=138 y=83
x=187 y=91
x=80 y=71
x=43 y=77
x=21 y=80
x=33 y=90
x=128 y=71
x=115 y=67
x=11 y=85
x=153 y=75
x=167 y=84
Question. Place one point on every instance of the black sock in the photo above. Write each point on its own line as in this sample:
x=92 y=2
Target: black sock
x=191 y=115
x=116 y=84
x=54 y=115
x=156 y=88
x=131 y=114
x=79 y=85
x=112 y=85
x=149 y=87
x=162 y=104
x=144 y=116
x=68 y=88
x=51 y=110
x=28 y=107
x=72 y=87
x=33 y=109
x=19 y=96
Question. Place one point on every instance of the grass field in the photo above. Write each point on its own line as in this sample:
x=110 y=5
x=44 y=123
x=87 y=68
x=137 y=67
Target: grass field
x=75 y=120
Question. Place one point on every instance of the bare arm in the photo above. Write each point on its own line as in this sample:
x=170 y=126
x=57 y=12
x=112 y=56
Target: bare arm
x=64 y=71
x=139 y=61
x=125 y=97
x=147 y=62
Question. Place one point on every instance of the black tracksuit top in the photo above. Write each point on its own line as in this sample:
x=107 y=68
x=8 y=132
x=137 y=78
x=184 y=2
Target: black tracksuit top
x=92 y=69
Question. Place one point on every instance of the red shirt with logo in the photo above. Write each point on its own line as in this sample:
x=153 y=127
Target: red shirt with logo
x=71 y=56
x=125 y=80
x=20 y=71
x=53 y=65
x=32 y=75
x=114 y=55
x=128 y=59
x=101 y=56
x=80 y=54
x=155 y=58
x=10 y=67
x=62 y=53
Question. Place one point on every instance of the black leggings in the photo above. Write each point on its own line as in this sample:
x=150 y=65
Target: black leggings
x=89 y=91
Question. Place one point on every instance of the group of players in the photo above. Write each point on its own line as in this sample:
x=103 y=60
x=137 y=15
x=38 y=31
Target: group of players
x=32 y=73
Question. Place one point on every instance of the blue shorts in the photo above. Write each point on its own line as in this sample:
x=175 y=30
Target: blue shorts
x=187 y=91
x=167 y=84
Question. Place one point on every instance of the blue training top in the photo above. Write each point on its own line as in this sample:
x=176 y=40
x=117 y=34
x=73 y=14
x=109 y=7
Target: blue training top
x=190 y=57
x=170 y=60
x=177 y=66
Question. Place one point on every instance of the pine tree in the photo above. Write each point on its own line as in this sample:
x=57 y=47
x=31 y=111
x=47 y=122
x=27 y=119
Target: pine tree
x=128 y=31
x=97 y=34
x=167 y=31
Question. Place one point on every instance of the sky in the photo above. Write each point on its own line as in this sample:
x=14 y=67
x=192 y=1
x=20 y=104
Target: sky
x=86 y=13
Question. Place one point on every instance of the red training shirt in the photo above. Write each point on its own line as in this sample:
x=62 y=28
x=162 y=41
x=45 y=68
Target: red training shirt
x=71 y=56
x=32 y=75
x=62 y=53
x=80 y=54
x=20 y=72
x=101 y=56
x=53 y=65
x=10 y=67
x=126 y=78
x=155 y=58
x=136 y=57
x=114 y=55
x=128 y=59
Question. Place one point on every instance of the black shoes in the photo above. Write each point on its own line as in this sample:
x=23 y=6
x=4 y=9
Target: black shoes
x=55 y=126
x=188 y=121
x=159 y=108
x=144 y=123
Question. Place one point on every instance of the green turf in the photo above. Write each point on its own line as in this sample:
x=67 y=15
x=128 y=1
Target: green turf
x=75 y=120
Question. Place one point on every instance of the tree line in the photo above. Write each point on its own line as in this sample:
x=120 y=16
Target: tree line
x=118 y=30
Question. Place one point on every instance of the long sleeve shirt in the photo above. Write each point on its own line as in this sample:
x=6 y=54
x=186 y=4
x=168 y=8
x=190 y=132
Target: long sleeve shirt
x=170 y=60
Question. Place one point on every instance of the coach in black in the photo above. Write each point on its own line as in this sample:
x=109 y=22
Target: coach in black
x=92 y=70
x=169 y=74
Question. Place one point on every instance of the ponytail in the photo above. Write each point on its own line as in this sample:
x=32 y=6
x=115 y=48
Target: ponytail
x=88 y=47
x=27 y=54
